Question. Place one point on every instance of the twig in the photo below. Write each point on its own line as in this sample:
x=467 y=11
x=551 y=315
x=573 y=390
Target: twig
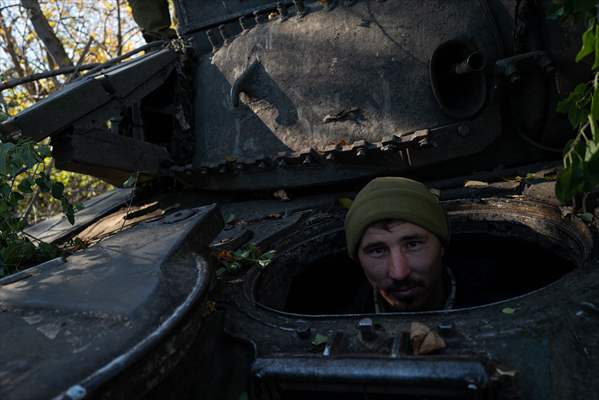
x=35 y=194
x=80 y=61
x=130 y=201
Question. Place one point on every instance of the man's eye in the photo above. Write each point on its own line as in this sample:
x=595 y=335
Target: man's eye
x=414 y=244
x=376 y=252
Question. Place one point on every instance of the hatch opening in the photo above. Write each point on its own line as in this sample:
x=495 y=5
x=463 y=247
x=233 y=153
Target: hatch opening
x=493 y=256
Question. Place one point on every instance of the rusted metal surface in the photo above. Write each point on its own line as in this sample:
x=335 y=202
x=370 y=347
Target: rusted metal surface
x=308 y=83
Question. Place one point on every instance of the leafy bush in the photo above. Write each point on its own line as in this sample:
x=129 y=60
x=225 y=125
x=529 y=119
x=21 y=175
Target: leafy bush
x=581 y=155
x=23 y=174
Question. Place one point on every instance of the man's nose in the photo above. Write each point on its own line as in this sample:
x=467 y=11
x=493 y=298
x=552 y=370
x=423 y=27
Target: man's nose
x=399 y=267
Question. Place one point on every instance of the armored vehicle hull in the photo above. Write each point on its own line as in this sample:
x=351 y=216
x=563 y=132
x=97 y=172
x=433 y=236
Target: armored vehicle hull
x=248 y=135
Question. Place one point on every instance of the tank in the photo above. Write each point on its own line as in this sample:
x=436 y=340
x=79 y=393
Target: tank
x=223 y=274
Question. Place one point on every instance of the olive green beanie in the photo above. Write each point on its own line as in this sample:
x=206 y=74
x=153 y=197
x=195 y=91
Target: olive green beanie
x=394 y=198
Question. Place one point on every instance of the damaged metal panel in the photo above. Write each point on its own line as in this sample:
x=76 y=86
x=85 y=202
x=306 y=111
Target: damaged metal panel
x=93 y=99
x=108 y=156
x=88 y=320
x=288 y=85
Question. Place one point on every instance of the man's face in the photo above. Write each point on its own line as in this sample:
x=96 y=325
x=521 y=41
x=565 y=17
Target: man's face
x=403 y=262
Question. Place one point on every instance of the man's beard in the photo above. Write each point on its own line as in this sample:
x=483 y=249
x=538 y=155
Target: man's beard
x=404 y=292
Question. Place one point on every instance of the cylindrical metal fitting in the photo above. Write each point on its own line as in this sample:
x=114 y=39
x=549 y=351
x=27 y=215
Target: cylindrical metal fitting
x=474 y=62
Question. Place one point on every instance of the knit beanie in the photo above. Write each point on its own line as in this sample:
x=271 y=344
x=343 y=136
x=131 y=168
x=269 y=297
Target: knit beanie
x=394 y=198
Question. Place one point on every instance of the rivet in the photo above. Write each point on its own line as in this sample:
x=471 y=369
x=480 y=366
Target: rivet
x=76 y=392
x=366 y=328
x=302 y=329
x=257 y=17
x=299 y=7
x=223 y=34
x=282 y=10
x=445 y=327
x=243 y=23
x=211 y=34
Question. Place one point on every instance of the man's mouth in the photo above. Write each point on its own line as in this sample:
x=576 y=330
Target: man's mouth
x=405 y=293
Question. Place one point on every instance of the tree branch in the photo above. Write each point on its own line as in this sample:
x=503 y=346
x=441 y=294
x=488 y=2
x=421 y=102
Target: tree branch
x=45 y=33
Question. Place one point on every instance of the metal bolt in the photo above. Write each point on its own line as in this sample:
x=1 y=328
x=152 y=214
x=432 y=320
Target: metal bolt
x=76 y=392
x=423 y=142
x=261 y=165
x=389 y=147
x=307 y=160
x=463 y=130
x=257 y=17
x=299 y=6
x=243 y=23
x=302 y=329
x=330 y=157
x=211 y=34
x=223 y=33
x=222 y=169
x=445 y=327
x=366 y=328
x=282 y=10
x=398 y=347
x=361 y=153
x=281 y=162
x=203 y=171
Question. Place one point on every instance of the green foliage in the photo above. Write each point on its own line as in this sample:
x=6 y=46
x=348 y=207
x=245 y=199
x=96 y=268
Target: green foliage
x=249 y=256
x=567 y=8
x=23 y=175
x=581 y=155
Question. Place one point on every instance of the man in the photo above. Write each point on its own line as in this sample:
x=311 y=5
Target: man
x=153 y=18
x=397 y=230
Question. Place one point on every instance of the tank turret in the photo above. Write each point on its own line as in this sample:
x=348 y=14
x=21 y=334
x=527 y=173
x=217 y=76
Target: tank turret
x=207 y=284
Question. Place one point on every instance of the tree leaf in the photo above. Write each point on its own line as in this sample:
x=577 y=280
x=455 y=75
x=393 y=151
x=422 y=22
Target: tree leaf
x=568 y=183
x=43 y=151
x=130 y=182
x=319 y=339
x=588 y=44
x=595 y=103
x=596 y=61
x=580 y=6
x=44 y=183
x=57 y=190
x=25 y=185
x=4 y=189
x=345 y=202
x=263 y=263
x=67 y=209
x=586 y=217
x=592 y=168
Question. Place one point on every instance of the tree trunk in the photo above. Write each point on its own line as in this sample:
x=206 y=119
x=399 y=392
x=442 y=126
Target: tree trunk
x=18 y=60
x=46 y=34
